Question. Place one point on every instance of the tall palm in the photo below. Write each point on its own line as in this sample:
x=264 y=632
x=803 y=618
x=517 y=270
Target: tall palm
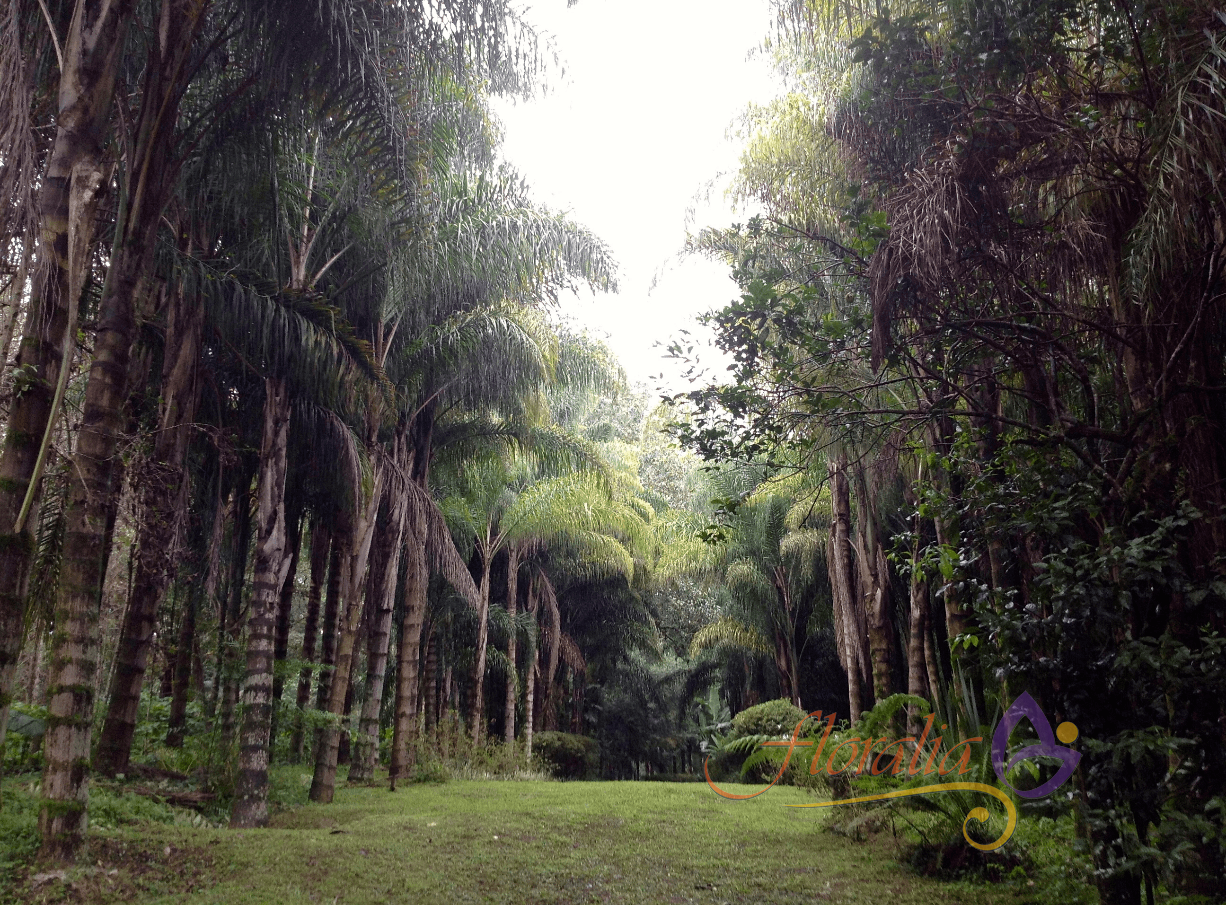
x=772 y=567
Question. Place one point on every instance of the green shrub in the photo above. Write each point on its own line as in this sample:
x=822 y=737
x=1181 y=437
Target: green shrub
x=430 y=771
x=777 y=719
x=564 y=755
x=741 y=758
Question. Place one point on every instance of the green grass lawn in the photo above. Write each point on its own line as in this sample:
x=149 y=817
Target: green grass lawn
x=508 y=842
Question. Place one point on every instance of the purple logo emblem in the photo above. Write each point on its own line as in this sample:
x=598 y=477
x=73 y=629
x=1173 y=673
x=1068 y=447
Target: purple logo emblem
x=1025 y=707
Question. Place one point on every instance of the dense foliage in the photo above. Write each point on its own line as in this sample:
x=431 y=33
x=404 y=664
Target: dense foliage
x=983 y=304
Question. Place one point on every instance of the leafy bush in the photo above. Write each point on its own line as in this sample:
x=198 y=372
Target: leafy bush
x=740 y=754
x=430 y=770
x=565 y=755
x=777 y=719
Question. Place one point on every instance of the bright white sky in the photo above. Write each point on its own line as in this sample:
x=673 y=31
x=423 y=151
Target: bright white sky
x=627 y=139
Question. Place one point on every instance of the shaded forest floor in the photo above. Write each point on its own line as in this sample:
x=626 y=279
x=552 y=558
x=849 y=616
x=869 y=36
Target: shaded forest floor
x=508 y=842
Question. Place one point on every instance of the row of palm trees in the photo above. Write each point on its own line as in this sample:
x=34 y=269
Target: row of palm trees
x=268 y=272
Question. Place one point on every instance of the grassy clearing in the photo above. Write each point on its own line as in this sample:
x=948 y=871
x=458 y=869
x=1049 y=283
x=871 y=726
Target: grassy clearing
x=512 y=842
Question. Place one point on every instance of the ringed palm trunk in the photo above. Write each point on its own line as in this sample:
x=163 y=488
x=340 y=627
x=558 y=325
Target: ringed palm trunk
x=549 y=685
x=285 y=608
x=321 y=542
x=67 y=201
x=162 y=503
x=532 y=671
x=228 y=629
x=416 y=581
x=381 y=591
x=272 y=561
x=429 y=685
x=92 y=496
x=477 y=710
x=512 y=610
x=875 y=589
x=879 y=607
x=178 y=705
x=785 y=640
x=323 y=784
x=332 y=605
x=848 y=618
x=917 y=644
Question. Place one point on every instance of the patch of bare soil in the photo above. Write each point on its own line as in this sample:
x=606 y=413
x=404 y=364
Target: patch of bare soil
x=116 y=870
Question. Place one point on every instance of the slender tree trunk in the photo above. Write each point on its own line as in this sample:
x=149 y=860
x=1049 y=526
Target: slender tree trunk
x=229 y=631
x=92 y=497
x=13 y=305
x=151 y=173
x=225 y=509
x=321 y=541
x=878 y=603
x=549 y=718
x=163 y=502
x=430 y=695
x=332 y=603
x=477 y=709
x=917 y=671
x=345 y=735
x=512 y=610
x=285 y=608
x=272 y=563
x=416 y=581
x=324 y=781
x=531 y=672
x=850 y=634
x=880 y=610
x=381 y=591
x=67 y=201
x=182 y=671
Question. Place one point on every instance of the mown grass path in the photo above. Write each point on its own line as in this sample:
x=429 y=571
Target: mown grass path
x=526 y=842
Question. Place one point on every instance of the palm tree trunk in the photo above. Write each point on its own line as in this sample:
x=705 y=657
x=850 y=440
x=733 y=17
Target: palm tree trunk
x=416 y=580
x=321 y=541
x=917 y=672
x=182 y=671
x=357 y=552
x=381 y=591
x=285 y=608
x=850 y=634
x=16 y=294
x=332 y=603
x=67 y=201
x=92 y=498
x=512 y=609
x=875 y=589
x=188 y=654
x=272 y=562
x=477 y=709
x=532 y=669
x=880 y=609
x=549 y=686
x=151 y=174
x=162 y=504
x=229 y=630
x=430 y=695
